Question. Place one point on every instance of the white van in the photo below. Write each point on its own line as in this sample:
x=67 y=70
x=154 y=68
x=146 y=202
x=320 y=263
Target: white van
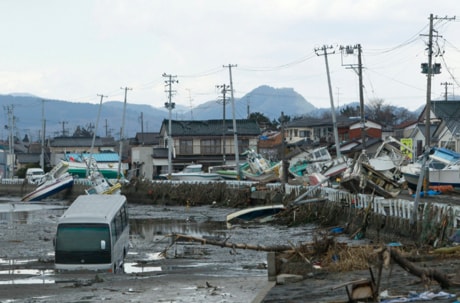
x=34 y=175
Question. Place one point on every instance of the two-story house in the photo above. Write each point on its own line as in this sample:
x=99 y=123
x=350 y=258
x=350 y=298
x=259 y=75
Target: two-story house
x=209 y=142
x=444 y=127
x=321 y=130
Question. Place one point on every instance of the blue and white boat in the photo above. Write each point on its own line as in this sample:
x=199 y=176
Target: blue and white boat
x=443 y=168
x=57 y=180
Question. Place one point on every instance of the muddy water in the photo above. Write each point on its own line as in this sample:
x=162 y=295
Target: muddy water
x=27 y=253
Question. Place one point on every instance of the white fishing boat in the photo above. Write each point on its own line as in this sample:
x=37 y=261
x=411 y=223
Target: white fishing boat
x=193 y=172
x=53 y=182
x=101 y=186
x=260 y=169
x=443 y=167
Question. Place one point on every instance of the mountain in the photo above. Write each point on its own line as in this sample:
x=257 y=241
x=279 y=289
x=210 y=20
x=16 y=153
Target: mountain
x=63 y=116
x=264 y=99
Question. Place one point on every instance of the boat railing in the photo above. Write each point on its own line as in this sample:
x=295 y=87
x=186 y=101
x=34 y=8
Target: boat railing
x=12 y=180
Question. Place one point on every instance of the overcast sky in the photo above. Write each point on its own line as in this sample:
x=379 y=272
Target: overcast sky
x=73 y=50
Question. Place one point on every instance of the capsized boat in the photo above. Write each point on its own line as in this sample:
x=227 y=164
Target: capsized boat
x=227 y=172
x=253 y=213
x=53 y=182
x=257 y=168
x=319 y=161
x=80 y=169
x=101 y=186
x=363 y=178
x=193 y=172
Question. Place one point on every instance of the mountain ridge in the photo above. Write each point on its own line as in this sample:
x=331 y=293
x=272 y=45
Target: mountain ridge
x=62 y=117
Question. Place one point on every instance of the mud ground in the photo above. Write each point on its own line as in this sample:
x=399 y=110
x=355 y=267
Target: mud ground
x=191 y=272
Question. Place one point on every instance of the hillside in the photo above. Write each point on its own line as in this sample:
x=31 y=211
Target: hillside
x=63 y=116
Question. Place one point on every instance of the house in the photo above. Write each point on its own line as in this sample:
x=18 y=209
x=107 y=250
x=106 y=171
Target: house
x=209 y=142
x=59 y=146
x=444 y=127
x=321 y=130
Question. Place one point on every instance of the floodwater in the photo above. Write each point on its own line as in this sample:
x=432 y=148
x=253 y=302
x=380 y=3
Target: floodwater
x=24 y=260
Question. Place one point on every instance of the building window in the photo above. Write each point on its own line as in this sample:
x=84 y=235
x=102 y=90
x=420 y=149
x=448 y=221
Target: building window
x=186 y=147
x=304 y=134
x=243 y=145
x=210 y=146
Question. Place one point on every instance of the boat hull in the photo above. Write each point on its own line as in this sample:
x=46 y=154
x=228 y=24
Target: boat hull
x=50 y=189
x=253 y=213
x=437 y=178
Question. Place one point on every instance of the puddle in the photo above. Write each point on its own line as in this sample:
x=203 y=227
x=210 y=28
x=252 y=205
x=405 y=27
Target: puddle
x=150 y=237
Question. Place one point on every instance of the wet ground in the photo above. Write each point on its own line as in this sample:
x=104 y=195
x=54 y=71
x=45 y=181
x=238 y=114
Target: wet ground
x=190 y=272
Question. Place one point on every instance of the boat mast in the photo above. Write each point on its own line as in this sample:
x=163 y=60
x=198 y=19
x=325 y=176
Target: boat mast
x=42 y=153
x=94 y=137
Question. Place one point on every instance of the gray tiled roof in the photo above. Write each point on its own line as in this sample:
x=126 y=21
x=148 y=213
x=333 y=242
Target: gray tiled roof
x=81 y=142
x=244 y=127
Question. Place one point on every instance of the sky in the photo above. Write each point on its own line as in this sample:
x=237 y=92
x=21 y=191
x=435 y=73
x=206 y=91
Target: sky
x=76 y=50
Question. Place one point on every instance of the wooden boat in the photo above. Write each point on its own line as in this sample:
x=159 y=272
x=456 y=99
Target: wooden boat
x=53 y=182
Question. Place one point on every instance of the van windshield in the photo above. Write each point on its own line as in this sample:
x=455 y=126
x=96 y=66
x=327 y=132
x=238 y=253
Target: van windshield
x=82 y=237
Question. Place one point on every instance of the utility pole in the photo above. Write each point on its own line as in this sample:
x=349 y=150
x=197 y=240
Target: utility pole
x=170 y=106
x=284 y=167
x=428 y=85
x=191 y=102
x=235 y=133
x=63 y=127
x=142 y=127
x=445 y=89
x=331 y=97
x=122 y=135
x=11 y=125
x=42 y=152
x=349 y=50
x=429 y=69
x=224 y=89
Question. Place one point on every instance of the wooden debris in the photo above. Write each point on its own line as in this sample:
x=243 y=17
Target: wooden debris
x=277 y=248
x=424 y=273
